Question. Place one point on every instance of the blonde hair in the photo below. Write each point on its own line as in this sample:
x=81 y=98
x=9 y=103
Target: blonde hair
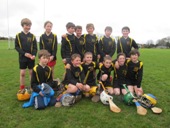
x=43 y=52
x=74 y=56
x=90 y=25
x=26 y=21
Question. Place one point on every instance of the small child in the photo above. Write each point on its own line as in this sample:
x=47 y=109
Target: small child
x=107 y=45
x=105 y=69
x=68 y=42
x=26 y=46
x=120 y=74
x=125 y=43
x=135 y=73
x=48 y=41
x=89 y=68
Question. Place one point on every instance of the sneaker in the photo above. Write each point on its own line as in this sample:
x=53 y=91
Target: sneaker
x=95 y=98
x=58 y=104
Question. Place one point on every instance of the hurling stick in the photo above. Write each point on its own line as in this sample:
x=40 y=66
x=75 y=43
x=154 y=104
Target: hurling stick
x=114 y=107
x=140 y=110
x=102 y=85
x=156 y=110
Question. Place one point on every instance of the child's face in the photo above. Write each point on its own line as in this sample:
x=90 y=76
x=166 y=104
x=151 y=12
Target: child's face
x=108 y=33
x=134 y=58
x=44 y=60
x=107 y=63
x=78 y=32
x=71 y=30
x=76 y=62
x=125 y=32
x=48 y=27
x=88 y=58
x=26 y=28
x=90 y=30
x=121 y=60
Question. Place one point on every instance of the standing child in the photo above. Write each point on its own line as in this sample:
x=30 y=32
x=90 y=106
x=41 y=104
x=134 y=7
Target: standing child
x=68 y=42
x=135 y=73
x=89 y=68
x=120 y=74
x=125 y=43
x=48 y=41
x=91 y=42
x=26 y=46
x=105 y=69
x=107 y=45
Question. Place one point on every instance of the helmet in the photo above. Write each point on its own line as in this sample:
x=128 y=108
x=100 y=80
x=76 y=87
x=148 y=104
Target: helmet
x=104 y=97
x=148 y=100
x=67 y=99
x=128 y=98
x=23 y=94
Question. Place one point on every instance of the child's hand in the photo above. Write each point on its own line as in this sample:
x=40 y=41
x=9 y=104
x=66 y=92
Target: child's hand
x=28 y=55
x=41 y=93
x=98 y=56
x=117 y=64
x=51 y=58
x=64 y=35
x=64 y=61
x=32 y=57
x=67 y=66
x=79 y=86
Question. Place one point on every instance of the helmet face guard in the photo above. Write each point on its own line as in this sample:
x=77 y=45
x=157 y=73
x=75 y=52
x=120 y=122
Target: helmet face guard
x=104 y=97
x=67 y=100
x=147 y=100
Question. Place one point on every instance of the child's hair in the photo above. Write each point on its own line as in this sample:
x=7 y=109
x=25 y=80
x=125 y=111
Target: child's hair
x=126 y=28
x=134 y=52
x=108 y=28
x=88 y=53
x=121 y=54
x=26 y=21
x=89 y=25
x=107 y=58
x=47 y=23
x=43 y=52
x=74 y=56
x=78 y=27
x=69 y=25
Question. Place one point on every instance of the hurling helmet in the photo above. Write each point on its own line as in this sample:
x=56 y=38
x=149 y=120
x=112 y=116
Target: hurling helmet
x=104 y=97
x=23 y=94
x=128 y=98
x=67 y=99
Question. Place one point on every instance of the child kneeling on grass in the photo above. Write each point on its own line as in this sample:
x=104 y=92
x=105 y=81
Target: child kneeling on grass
x=42 y=95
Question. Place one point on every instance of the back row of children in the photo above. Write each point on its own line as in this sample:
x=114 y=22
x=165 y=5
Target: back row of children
x=86 y=44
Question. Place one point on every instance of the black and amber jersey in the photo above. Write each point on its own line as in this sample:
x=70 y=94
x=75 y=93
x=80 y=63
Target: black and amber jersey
x=49 y=42
x=91 y=45
x=125 y=45
x=79 y=46
x=40 y=75
x=135 y=71
x=25 y=43
x=67 y=46
x=104 y=70
x=74 y=75
x=107 y=46
x=91 y=68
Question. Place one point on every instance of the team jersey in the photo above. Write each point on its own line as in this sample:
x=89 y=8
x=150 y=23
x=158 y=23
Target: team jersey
x=79 y=46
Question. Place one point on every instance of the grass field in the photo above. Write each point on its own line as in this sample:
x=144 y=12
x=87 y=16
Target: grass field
x=85 y=114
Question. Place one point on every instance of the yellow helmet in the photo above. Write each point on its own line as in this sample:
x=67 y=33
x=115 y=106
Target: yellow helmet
x=23 y=95
x=148 y=100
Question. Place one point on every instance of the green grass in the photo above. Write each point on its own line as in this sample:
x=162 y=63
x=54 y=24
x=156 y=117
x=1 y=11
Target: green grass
x=85 y=114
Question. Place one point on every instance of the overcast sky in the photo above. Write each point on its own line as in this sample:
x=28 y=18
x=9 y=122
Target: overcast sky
x=147 y=19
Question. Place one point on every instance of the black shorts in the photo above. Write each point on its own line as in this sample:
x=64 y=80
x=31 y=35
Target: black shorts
x=28 y=64
x=118 y=84
x=132 y=82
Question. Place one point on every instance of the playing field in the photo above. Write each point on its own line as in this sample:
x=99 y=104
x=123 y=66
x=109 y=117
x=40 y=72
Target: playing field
x=85 y=114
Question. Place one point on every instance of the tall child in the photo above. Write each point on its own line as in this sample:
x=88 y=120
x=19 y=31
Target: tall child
x=26 y=46
x=48 y=41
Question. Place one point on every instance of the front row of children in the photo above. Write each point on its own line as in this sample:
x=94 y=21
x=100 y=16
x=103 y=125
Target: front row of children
x=81 y=76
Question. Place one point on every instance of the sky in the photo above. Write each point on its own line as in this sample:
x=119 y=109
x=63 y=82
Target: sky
x=147 y=19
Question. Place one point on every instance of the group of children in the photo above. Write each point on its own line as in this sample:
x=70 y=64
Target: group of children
x=82 y=55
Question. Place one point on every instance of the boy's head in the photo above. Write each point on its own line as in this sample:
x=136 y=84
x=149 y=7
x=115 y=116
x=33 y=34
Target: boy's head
x=88 y=57
x=78 y=30
x=70 y=27
x=107 y=61
x=90 y=28
x=76 y=60
x=43 y=56
x=121 y=57
x=134 y=55
x=108 y=31
x=48 y=26
x=26 y=24
x=125 y=31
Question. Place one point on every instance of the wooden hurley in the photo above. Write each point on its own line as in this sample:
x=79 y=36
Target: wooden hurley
x=140 y=110
x=156 y=110
x=114 y=107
